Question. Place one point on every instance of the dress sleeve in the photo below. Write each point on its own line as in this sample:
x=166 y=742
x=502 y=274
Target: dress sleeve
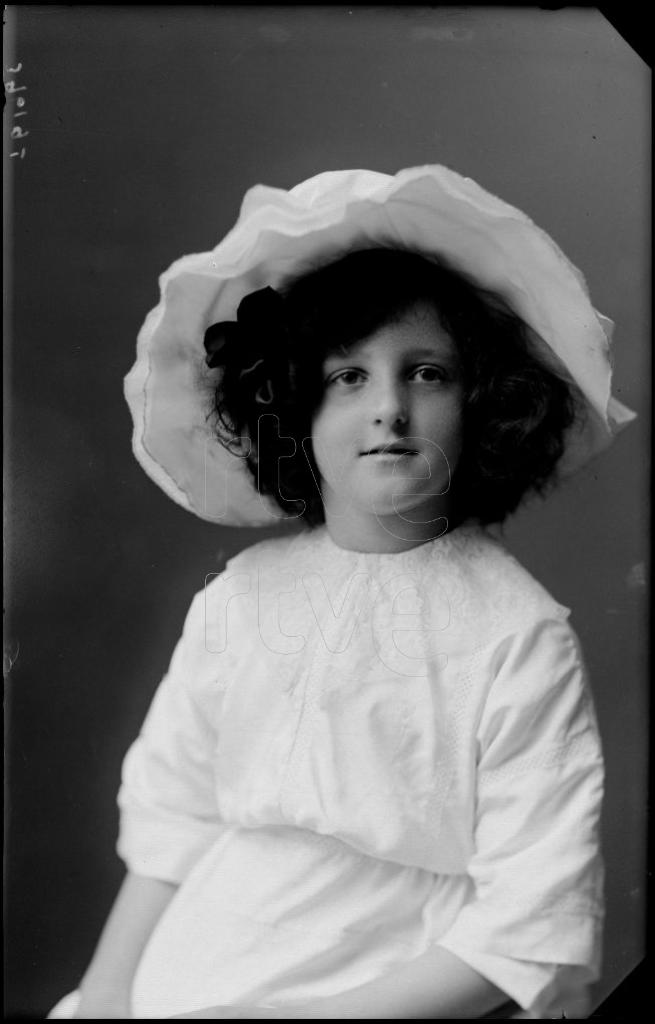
x=167 y=800
x=533 y=925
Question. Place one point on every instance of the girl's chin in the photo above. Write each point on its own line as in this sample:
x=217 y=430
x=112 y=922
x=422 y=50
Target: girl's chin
x=407 y=509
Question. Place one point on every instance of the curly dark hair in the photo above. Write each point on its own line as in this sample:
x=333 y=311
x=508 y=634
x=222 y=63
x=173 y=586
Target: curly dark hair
x=517 y=409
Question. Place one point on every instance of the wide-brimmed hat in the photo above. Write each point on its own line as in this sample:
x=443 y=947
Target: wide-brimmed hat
x=281 y=235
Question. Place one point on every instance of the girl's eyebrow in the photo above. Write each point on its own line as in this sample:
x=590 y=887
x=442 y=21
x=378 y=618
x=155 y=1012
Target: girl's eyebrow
x=440 y=355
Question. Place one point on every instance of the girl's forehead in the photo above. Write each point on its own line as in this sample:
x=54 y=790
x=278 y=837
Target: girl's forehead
x=416 y=332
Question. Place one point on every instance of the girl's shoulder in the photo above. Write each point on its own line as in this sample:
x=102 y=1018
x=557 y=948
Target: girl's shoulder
x=259 y=565
x=486 y=582
x=272 y=553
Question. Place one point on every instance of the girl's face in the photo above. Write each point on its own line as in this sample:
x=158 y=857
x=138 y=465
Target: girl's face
x=388 y=432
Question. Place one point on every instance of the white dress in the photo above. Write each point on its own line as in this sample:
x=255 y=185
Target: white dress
x=354 y=756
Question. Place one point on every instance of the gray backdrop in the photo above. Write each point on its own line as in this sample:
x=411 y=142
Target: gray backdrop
x=146 y=126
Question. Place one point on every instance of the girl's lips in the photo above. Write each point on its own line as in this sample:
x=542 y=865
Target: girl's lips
x=390 y=449
x=393 y=453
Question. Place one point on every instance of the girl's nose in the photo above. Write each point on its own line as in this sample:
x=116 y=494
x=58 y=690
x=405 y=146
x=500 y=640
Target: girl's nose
x=390 y=404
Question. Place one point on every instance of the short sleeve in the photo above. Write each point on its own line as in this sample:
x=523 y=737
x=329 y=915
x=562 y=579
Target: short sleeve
x=536 y=913
x=167 y=800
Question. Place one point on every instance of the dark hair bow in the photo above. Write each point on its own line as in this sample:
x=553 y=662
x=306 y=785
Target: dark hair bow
x=260 y=322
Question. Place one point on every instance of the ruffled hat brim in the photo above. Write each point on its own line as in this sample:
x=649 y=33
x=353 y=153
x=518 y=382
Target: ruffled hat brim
x=280 y=235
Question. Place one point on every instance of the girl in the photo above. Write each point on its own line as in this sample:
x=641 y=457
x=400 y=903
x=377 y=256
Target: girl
x=370 y=783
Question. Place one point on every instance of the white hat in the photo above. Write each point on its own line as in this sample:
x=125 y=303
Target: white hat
x=281 y=235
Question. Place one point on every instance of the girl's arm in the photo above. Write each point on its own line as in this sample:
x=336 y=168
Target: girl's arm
x=436 y=985
x=106 y=986
x=168 y=815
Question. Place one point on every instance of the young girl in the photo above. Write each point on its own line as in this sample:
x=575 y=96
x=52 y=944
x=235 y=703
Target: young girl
x=370 y=783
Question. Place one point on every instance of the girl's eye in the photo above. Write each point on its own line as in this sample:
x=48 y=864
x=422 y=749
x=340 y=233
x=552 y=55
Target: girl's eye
x=429 y=374
x=345 y=377
x=423 y=374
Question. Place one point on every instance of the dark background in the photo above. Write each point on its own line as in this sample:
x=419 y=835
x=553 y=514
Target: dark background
x=147 y=124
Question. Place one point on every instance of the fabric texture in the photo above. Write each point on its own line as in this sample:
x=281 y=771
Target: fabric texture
x=281 y=235
x=355 y=756
x=66 y=1008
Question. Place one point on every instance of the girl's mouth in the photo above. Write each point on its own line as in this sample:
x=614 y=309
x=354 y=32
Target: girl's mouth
x=389 y=452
